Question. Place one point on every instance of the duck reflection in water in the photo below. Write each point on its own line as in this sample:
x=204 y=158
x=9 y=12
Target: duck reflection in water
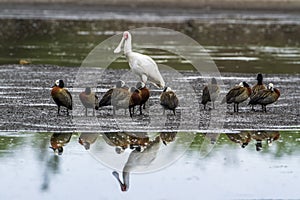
x=58 y=140
x=244 y=137
x=168 y=137
x=260 y=136
x=121 y=140
x=86 y=139
x=138 y=160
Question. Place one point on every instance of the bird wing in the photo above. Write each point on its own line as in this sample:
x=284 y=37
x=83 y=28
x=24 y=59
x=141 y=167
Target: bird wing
x=145 y=65
x=205 y=95
x=106 y=99
x=234 y=92
x=63 y=98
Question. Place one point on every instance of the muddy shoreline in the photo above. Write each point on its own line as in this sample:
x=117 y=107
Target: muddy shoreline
x=26 y=104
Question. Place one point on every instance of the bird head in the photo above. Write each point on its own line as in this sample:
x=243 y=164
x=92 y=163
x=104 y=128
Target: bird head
x=213 y=81
x=271 y=86
x=88 y=90
x=59 y=83
x=259 y=77
x=126 y=36
x=167 y=89
x=120 y=84
x=140 y=85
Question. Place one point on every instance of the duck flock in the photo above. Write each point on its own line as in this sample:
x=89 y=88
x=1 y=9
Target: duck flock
x=124 y=97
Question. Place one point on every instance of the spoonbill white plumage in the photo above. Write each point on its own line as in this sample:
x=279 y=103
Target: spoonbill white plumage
x=142 y=65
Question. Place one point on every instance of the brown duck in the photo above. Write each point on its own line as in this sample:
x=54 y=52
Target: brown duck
x=169 y=100
x=237 y=95
x=258 y=86
x=144 y=92
x=106 y=99
x=210 y=93
x=89 y=100
x=265 y=97
x=61 y=96
x=136 y=98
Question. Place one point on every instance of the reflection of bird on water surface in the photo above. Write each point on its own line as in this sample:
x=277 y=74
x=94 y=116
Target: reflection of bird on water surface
x=168 y=137
x=242 y=138
x=259 y=136
x=86 y=139
x=142 y=65
x=123 y=140
x=58 y=140
x=138 y=160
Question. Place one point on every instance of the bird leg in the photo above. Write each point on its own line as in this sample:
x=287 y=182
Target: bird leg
x=58 y=109
x=234 y=110
x=130 y=112
x=213 y=103
x=86 y=112
x=174 y=111
x=141 y=110
x=93 y=112
x=237 y=107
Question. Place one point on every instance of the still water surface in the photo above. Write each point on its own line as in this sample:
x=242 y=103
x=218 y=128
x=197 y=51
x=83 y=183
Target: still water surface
x=211 y=167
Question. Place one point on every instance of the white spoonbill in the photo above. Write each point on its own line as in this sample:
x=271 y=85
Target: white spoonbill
x=142 y=65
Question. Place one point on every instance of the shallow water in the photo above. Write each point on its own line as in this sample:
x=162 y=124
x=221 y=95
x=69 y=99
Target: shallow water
x=242 y=41
x=220 y=169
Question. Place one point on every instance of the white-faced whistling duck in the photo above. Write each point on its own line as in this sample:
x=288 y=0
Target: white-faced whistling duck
x=265 y=97
x=168 y=100
x=210 y=93
x=61 y=96
x=237 y=95
x=106 y=99
x=258 y=86
x=135 y=99
x=120 y=98
x=89 y=100
x=145 y=93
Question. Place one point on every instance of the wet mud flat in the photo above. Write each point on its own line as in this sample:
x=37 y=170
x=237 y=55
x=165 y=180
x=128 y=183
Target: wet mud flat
x=26 y=104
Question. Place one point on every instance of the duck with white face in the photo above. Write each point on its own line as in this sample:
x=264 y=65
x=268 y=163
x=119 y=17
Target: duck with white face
x=61 y=96
x=265 y=97
x=169 y=100
x=237 y=95
x=142 y=65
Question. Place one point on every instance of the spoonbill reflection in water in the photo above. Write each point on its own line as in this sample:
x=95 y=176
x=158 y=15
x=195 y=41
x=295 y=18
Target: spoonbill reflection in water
x=138 y=160
x=142 y=65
